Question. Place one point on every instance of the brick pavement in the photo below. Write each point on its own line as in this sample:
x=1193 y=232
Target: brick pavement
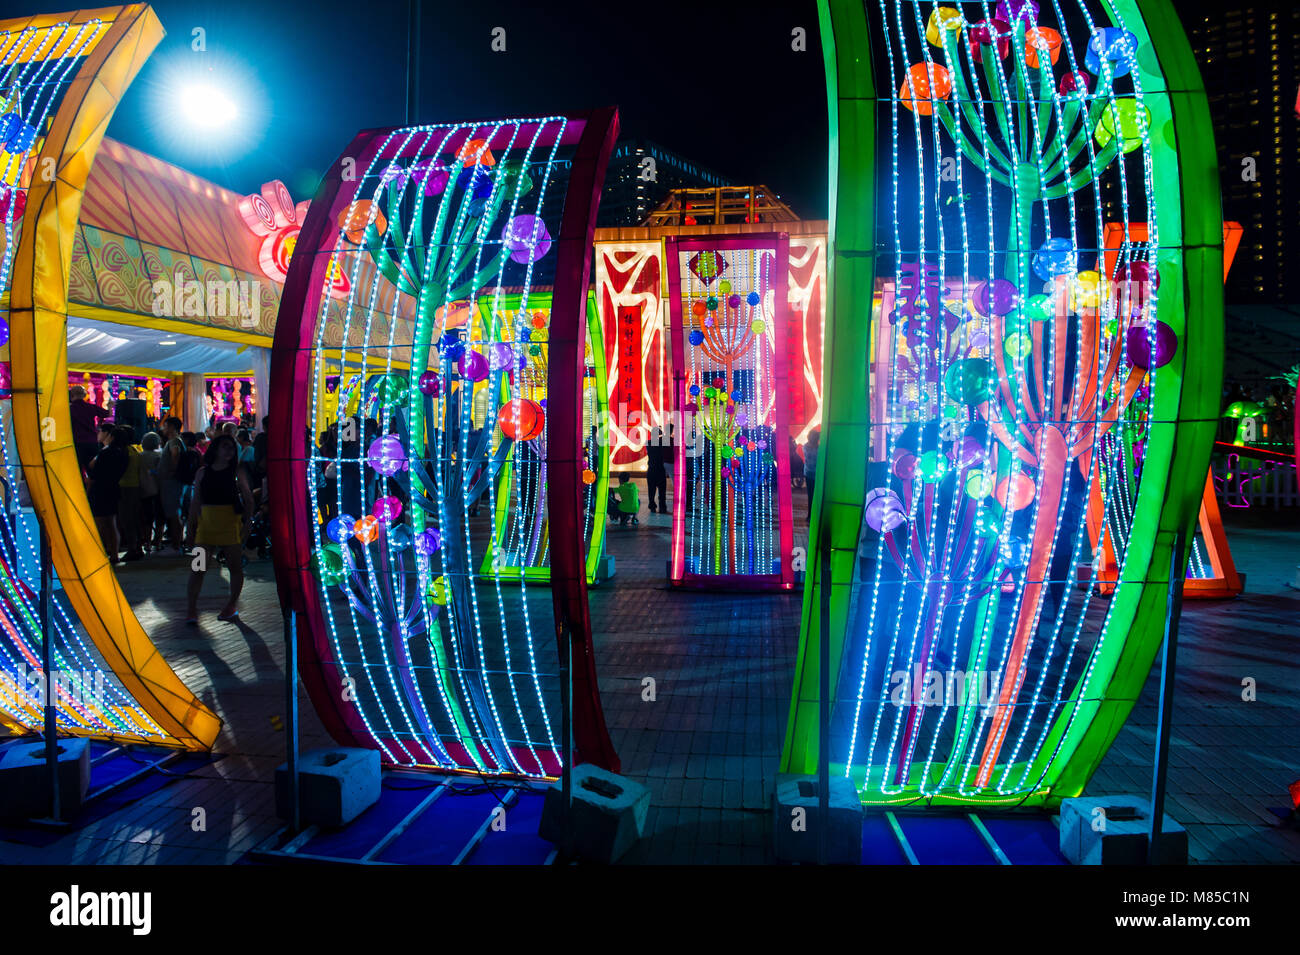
x=709 y=742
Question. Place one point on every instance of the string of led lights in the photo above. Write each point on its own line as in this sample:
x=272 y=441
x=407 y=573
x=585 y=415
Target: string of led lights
x=727 y=298
x=967 y=665
x=35 y=65
x=422 y=311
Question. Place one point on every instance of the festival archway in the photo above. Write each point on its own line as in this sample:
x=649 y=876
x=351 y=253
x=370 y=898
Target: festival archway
x=1003 y=357
x=121 y=39
x=406 y=647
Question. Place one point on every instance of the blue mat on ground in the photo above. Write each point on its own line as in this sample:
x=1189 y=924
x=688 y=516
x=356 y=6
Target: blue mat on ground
x=1027 y=840
x=99 y=804
x=440 y=833
x=945 y=840
x=879 y=846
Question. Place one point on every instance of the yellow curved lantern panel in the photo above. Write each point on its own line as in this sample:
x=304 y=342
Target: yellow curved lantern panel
x=39 y=357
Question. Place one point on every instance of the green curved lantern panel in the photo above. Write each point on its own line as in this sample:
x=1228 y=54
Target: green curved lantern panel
x=522 y=519
x=1000 y=354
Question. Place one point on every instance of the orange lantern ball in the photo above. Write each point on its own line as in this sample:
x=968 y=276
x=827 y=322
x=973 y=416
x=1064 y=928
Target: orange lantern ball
x=539 y=319
x=588 y=476
x=699 y=308
x=522 y=419
x=354 y=219
x=1017 y=490
x=1042 y=38
x=475 y=152
x=366 y=529
x=917 y=93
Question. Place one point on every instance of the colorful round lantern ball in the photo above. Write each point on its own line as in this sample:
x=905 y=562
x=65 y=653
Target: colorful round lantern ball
x=399 y=538
x=884 y=510
x=712 y=304
x=521 y=419
x=327 y=564
x=698 y=309
x=1016 y=491
x=969 y=381
x=473 y=366
x=759 y=326
x=697 y=337
x=387 y=509
x=752 y=298
x=428 y=542
x=438 y=591
x=430 y=383
x=340 y=528
x=998 y=297
x=386 y=455
x=1054 y=257
x=588 y=476
x=1141 y=350
x=367 y=529
x=724 y=286
x=734 y=301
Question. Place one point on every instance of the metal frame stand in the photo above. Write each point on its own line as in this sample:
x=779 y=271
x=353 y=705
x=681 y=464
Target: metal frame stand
x=1173 y=611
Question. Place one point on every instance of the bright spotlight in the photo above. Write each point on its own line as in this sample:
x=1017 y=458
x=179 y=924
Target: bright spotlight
x=206 y=106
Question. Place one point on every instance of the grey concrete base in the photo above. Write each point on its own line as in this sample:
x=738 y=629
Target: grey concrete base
x=608 y=815
x=1112 y=830
x=796 y=819
x=25 y=778
x=604 y=569
x=335 y=785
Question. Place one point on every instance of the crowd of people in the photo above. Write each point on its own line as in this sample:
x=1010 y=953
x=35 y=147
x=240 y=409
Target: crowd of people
x=173 y=493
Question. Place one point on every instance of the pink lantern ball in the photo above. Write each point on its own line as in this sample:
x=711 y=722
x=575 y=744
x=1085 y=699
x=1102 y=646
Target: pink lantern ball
x=986 y=33
x=526 y=238
x=1076 y=82
x=691 y=407
x=386 y=455
x=998 y=297
x=1140 y=273
x=1140 y=350
x=726 y=473
x=387 y=509
x=428 y=542
x=884 y=510
x=473 y=365
x=430 y=383
x=904 y=464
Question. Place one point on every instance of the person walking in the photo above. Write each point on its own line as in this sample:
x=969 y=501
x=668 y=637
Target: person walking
x=151 y=522
x=128 y=501
x=84 y=418
x=106 y=470
x=171 y=482
x=220 y=511
x=810 y=467
x=656 y=474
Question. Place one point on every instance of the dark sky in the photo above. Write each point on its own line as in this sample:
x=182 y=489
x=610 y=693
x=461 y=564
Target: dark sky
x=716 y=82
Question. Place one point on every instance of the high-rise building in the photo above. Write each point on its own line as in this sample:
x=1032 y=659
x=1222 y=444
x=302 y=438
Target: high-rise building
x=1249 y=54
x=641 y=175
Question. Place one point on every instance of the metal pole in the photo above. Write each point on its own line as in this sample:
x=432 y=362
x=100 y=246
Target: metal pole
x=291 y=709
x=412 y=61
x=566 y=730
x=1173 y=610
x=45 y=608
x=824 y=703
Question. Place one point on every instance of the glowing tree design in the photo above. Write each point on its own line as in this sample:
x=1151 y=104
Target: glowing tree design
x=1013 y=381
x=412 y=266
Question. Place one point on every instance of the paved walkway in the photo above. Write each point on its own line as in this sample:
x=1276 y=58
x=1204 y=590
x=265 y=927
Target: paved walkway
x=707 y=745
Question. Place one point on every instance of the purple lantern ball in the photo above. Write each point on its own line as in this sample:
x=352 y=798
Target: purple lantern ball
x=1139 y=345
x=386 y=455
x=726 y=473
x=998 y=297
x=500 y=356
x=526 y=238
x=1140 y=273
x=691 y=407
x=428 y=542
x=734 y=300
x=762 y=445
x=884 y=510
x=967 y=452
x=1013 y=10
x=473 y=365
x=430 y=383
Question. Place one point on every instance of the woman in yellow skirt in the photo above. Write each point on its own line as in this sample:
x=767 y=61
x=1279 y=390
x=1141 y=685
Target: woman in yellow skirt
x=219 y=514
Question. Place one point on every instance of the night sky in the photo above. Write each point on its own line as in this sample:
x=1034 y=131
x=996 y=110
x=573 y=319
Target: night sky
x=715 y=82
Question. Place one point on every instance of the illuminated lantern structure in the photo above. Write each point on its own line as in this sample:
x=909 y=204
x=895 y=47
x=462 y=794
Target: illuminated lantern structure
x=109 y=680
x=1016 y=367
x=397 y=571
x=523 y=527
x=731 y=461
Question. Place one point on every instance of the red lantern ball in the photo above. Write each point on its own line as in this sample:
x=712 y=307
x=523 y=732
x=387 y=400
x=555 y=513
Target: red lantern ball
x=521 y=419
